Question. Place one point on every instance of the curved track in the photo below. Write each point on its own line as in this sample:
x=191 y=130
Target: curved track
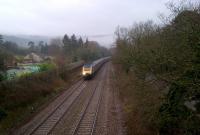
x=77 y=108
x=87 y=121
x=54 y=111
x=81 y=119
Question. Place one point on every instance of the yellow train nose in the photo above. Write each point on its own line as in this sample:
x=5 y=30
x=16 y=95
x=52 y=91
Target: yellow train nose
x=83 y=73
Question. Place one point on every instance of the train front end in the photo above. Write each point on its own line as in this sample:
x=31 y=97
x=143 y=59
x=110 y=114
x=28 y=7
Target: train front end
x=87 y=71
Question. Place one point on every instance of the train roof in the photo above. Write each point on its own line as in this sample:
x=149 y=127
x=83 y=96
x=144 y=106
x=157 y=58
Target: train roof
x=97 y=61
x=94 y=62
x=87 y=65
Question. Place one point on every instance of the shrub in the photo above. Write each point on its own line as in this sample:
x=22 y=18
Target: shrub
x=171 y=54
x=46 y=66
x=2 y=76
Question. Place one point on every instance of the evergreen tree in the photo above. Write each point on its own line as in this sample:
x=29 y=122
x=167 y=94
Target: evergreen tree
x=41 y=43
x=67 y=44
x=31 y=45
x=74 y=42
x=1 y=39
x=66 y=40
x=44 y=49
x=41 y=46
x=80 y=42
x=86 y=42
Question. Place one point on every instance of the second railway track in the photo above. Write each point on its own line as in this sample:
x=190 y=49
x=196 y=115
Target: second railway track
x=87 y=122
x=81 y=119
x=48 y=118
x=78 y=107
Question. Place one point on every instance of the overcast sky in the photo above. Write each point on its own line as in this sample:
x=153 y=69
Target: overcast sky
x=81 y=17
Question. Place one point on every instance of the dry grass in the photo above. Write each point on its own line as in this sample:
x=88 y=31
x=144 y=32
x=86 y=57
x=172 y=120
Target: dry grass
x=21 y=99
x=141 y=103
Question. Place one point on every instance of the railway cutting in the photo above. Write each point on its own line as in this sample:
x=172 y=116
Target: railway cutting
x=83 y=109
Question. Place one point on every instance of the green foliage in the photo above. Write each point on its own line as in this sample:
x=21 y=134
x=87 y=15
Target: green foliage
x=4 y=57
x=46 y=66
x=26 y=74
x=18 y=96
x=172 y=54
x=71 y=44
x=26 y=94
x=2 y=76
x=76 y=49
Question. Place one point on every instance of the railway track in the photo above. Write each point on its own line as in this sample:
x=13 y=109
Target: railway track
x=87 y=121
x=82 y=117
x=49 y=112
x=75 y=105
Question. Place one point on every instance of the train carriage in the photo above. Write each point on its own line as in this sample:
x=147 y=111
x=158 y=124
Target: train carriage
x=89 y=69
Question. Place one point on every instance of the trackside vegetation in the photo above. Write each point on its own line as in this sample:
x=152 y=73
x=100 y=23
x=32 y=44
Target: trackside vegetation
x=161 y=65
x=60 y=51
x=21 y=98
x=23 y=91
x=46 y=66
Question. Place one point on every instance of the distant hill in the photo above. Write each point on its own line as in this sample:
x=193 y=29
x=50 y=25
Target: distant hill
x=22 y=40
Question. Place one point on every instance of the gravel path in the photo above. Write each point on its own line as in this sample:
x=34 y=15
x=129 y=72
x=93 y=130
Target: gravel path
x=110 y=119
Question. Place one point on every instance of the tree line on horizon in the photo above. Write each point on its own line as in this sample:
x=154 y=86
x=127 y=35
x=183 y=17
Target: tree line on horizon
x=66 y=50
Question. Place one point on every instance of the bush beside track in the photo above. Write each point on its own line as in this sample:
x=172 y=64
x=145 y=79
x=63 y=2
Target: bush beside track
x=170 y=56
x=20 y=98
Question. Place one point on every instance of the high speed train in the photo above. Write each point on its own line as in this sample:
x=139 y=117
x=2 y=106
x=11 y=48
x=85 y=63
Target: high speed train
x=89 y=69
